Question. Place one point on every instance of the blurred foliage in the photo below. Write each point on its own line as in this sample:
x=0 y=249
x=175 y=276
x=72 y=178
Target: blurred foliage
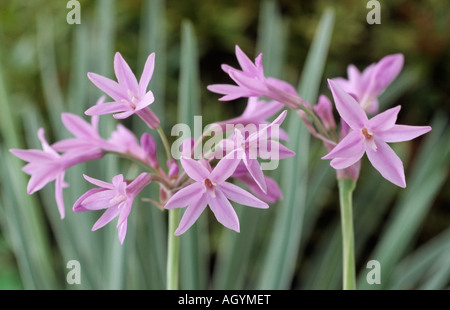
x=418 y=29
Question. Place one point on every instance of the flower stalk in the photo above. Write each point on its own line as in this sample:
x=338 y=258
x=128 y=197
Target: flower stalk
x=346 y=188
x=173 y=251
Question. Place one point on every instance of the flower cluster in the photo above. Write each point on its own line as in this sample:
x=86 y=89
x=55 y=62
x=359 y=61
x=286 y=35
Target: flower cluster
x=204 y=181
x=354 y=98
x=239 y=156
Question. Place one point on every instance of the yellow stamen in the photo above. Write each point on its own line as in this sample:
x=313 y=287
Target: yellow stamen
x=208 y=183
x=366 y=134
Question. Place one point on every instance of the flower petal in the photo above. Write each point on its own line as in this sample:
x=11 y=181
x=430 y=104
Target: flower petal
x=246 y=64
x=107 y=108
x=230 y=92
x=400 y=133
x=125 y=210
x=387 y=163
x=149 y=117
x=351 y=145
x=147 y=73
x=125 y=114
x=59 y=184
x=122 y=231
x=78 y=205
x=32 y=155
x=110 y=87
x=258 y=110
x=194 y=169
x=125 y=76
x=42 y=176
x=145 y=101
x=256 y=172
x=191 y=214
x=274 y=150
x=225 y=167
x=184 y=196
x=223 y=210
x=97 y=182
x=97 y=200
x=77 y=126
x=273 y=193
x=384 y=120
x=106 y=217
x=386 y=70
x=138 y=184
x=348 y=108
x=345 y=162
x=241 y=196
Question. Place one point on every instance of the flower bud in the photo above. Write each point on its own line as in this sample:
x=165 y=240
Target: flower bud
x=149 y=146
x=324 y=110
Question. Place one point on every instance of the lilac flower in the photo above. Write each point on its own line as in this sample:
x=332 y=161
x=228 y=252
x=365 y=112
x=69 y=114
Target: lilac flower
x=148 y=145
x=256 y=112
x=351 y=172
x=129 y=96
x=211 y=189
x=273 y=193
x=47 y=165
x=251 y=82
x=324 y=110
x=366 y=86
x=259 y=144
x=124 y=141
x=117 y=197
x=370 y=136
x=86 y=134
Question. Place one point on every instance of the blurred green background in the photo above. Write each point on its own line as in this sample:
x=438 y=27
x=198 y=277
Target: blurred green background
x=43 y=66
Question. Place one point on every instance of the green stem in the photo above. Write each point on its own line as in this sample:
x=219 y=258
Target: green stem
x=317 y=122
x=346 y=187
x=173 y=251
x=165 y=142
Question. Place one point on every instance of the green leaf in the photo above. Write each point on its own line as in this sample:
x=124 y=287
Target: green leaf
x=423 y=184
x=237 y=252
x=281 y=259
x=194 y=242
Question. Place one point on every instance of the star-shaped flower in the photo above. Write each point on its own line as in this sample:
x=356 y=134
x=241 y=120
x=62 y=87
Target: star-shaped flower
x=367 y=85
x=210 y=188
x=129 y=96
x=116 y=197
x=370 y=136
x=251 y=82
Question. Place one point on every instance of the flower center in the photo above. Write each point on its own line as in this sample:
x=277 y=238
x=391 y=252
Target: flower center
x=118 y=199
x=133 y=99
x=208 y=183
x=366 y=134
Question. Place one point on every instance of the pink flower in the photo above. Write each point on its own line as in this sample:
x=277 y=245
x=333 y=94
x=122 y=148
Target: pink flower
x=370 y=136
x=129 y=96
x=256 y=112
x=324 y=110
x=86 y=134
x=211 y=189
x=251 y=82
x=47 y=165
x=117 y=197
x=148 y=145
x=273 y=193
x=366 y=86
x=259 y=144
x=124 y=141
